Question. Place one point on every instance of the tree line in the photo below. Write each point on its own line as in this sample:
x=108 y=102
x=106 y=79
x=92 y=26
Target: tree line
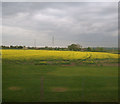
x=72 y=47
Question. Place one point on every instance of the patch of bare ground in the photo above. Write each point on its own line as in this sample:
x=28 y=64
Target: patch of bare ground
x=72 y=64
x=107 y=64
x=49 y=62
x=14 y=88
x=59 y=89
x=106 y=61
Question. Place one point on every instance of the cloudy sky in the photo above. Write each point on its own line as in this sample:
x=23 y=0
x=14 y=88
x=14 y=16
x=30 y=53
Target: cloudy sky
x=85 y=23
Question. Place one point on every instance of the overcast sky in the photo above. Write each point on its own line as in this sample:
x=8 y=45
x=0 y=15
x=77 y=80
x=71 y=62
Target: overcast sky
x=85 y=23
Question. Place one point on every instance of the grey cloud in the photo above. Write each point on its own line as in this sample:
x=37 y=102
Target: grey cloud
x=68 y=22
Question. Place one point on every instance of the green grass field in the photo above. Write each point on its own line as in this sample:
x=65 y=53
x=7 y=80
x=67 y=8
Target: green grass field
x=59 y=83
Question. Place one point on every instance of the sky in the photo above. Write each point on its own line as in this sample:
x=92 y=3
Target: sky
x=90 y=24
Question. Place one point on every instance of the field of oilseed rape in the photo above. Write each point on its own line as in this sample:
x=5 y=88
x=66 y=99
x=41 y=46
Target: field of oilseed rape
x=47 y=55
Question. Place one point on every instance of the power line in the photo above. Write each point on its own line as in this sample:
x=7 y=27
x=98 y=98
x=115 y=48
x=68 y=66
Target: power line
x=53 y=41
x=35 y=43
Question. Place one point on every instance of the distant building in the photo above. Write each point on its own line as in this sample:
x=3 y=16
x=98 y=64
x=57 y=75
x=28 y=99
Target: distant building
x=25 y=48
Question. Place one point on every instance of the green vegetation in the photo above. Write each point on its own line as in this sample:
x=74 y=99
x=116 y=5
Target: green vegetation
x=59 y=83
x=72 y=47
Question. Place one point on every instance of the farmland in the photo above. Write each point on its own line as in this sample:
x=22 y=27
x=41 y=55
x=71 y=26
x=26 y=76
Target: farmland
x=54 y=56
x=59 y=76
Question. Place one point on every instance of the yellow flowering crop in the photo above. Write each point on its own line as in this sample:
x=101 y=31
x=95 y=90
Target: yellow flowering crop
x=47 y=54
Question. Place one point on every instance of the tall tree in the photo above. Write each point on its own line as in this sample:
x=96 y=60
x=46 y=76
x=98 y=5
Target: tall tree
x=74 y=47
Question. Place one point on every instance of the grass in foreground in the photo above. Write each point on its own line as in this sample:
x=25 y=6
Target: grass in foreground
x=58 y=83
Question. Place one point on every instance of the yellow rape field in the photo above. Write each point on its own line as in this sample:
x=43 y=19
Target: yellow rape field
x=47 y=54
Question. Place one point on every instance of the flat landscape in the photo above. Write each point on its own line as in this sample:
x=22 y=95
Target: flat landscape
x=59 y=51
x=59 y=76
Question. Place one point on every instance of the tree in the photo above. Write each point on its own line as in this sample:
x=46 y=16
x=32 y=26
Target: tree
x=20 y=47
x=74 y=47
x=89 y=49
x=11 y=46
